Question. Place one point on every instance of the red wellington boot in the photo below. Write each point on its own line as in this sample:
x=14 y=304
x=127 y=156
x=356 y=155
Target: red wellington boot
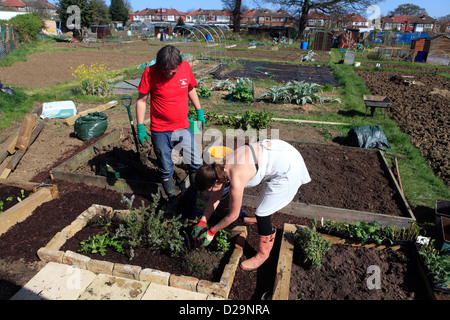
x=265 y=244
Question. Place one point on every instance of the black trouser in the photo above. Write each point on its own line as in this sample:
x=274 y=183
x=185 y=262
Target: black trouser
x=264 y=225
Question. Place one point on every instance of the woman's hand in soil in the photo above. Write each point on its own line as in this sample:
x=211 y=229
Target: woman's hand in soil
x=198 y=228
x=209 y=236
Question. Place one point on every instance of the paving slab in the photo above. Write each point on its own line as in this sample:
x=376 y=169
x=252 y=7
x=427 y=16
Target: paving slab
x=107 y=287
x=160 y=292
x=56 y=282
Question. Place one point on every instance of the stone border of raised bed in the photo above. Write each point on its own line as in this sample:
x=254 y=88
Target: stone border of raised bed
x=51 y=253
x=283 y=273
x=22 y=210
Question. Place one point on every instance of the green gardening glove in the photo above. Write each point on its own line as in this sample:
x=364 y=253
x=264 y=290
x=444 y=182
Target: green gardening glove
x=198 y=228
x=142 y=134
x=201 y=116
x=209 y=236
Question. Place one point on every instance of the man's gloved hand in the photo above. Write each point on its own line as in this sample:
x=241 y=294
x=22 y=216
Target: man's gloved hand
x=142 y=134
x=198 y=228
x=209 y=236
x=201 y=116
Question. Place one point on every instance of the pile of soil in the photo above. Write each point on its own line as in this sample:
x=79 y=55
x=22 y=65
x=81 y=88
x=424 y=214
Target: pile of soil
x=421 y=110
x=344 y=276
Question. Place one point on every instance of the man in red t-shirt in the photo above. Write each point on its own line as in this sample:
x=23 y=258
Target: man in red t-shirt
x=170 y=83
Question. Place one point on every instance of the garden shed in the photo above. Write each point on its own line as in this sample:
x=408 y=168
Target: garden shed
x=439 y=50
x=102 y=31
x=147 y=29
x=421 y=46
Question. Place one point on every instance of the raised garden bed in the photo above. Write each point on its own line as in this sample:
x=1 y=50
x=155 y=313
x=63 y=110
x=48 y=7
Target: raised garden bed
x=348 y=184
x=346 y=272
x=34 y=194
x=221 y=288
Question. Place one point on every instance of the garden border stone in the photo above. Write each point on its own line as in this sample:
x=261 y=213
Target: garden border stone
x=52 y=253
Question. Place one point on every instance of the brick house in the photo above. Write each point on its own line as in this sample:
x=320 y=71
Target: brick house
x=353 y=21
x=15 y=5
x=266 y=17
x=160 y=14
x=413 y=23
x=317 y=20
x=210 y=16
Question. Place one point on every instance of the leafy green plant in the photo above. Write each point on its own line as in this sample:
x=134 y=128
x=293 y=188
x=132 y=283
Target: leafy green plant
x=226 y=84
x=148 y=227
x=311 y=244
x=204 y=92
x=372 y=231
x=437 y=264
x=241 y=91
x=298 y=92
x=222 y=240
x=100 y=243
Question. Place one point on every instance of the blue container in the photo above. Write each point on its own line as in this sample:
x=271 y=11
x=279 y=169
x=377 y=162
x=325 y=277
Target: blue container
x=208 y=37
x=304 y=45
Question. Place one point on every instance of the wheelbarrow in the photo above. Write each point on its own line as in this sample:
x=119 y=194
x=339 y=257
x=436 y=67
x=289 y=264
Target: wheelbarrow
x=376 y=102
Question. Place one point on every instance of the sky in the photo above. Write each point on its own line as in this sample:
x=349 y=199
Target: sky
x=434 y=8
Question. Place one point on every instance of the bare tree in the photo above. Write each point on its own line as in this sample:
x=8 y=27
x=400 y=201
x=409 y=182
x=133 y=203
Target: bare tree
x=237 y=8
x=301 y=8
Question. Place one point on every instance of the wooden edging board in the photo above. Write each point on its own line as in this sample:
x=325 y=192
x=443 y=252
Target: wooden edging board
x=51 y=253
x=23 y=209
x=286 y=253
x=66 y=170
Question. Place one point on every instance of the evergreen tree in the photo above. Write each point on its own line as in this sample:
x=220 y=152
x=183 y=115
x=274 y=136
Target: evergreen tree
x=118 y=11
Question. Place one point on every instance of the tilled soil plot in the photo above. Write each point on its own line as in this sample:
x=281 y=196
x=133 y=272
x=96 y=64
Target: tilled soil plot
x=344 y=276
x=421 y=110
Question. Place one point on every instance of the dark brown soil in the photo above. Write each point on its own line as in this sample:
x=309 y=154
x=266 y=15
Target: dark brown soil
x=9 y=196
x=344 y=275
x=197 y=262
x=342 y=177
x=421 y=110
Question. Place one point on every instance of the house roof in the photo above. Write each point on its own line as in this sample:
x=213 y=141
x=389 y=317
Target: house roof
x=13 y=3
x=280 y=13
x=396 y=19
x=317 y=15
x=159 y=11
x=203 y=12
x=43 y=4
x=354 y=17
x=421 y=19
x=438 y=36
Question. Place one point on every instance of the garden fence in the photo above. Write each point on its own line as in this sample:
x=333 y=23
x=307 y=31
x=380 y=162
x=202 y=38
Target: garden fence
x=8 y=42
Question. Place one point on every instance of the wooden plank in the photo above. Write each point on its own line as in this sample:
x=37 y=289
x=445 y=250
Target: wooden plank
x=23 y=209
x=20 y=153
x=283 y=276
x=71 y=120
x=12 y=145
x=26 y=129
x=317 y=212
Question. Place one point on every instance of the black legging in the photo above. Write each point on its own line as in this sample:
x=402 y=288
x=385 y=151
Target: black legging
x=264 y=225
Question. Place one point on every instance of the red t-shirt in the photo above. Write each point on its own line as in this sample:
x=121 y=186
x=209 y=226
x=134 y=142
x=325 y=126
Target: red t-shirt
x=168 y=97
